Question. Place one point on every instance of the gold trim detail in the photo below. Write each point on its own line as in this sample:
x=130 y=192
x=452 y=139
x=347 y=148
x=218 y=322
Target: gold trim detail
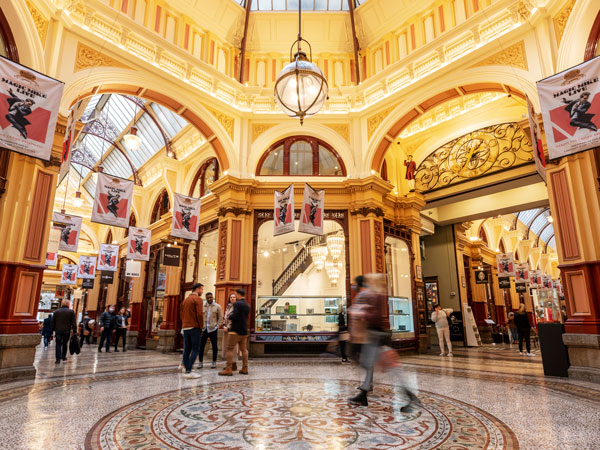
x=514 y=56
x=560 y=20
x=88 y=57
x=225 y=121
x=260 y=128
x=41 y=24
x=340 y=128
x=374 y=121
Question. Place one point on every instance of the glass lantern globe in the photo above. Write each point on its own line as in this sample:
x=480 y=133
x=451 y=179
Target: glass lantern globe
x=301 y=88
x=131 y=140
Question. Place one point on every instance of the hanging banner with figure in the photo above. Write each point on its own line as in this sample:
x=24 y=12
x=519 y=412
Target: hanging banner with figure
x=522 y=273
x=506 y=265
x=29 y=104
x=536 y=141
x=311 y=214
x=87 y=267
x=70 y=231
x=535 y=279
x=52 y=250
x=107 y=258
x=68 y=274
x=112 y=202
x=570 y=102
x=284 y=211
x=547 y=282
x=138 y=245
x=186 y=217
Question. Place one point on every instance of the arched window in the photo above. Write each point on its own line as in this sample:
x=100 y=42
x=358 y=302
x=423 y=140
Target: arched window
x=301 y=155
x=206 y=175
x=483 y=236
x=132 y=223
x=161 y=206
x=501 y=247
x=8 y=47
x=516 y=256
x=109 y=238
x=384 y=171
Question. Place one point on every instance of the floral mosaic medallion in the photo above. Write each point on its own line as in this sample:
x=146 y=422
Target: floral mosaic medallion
x=299 y=415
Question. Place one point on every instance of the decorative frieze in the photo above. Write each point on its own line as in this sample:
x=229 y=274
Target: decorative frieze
x=560 y=20
x=87 y=57
x=41 y=24
x=260 y=128
x=514 y=56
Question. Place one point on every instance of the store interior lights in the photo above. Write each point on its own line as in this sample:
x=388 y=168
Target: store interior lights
x=335 y=245
x=319 y=254
x=333 y=268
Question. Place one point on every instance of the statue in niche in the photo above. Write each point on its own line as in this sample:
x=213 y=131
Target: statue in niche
x=411 y=168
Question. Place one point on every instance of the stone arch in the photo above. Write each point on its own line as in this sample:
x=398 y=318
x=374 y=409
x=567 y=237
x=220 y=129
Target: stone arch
x=571 y=50
x=123 y=81
x=22 y=26
x=156 y=205
x=200 y=158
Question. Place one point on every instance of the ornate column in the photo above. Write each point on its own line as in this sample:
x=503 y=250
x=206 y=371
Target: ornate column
x=135 y=307
x=167 y=330
x=575 y=205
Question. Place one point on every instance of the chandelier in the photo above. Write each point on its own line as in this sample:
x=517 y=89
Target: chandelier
x=335 y=244
x=333 y=268
x=301 y=88
x=319 y=254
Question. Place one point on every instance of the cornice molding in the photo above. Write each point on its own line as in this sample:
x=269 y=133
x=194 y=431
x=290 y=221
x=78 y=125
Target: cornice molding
x=366 y=210
x=235 y=210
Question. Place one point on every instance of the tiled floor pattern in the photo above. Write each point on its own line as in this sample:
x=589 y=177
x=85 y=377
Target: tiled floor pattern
x=291 y=398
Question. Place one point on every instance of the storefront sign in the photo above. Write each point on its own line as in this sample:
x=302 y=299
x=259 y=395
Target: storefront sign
x=133 y=269
x=88 y=283
x=171 y=256
x=504 y=283
x=536 y=141
x=506 y=265
x=138 y=244
x=106 y=277
x=283 y=211
x=186 y=217
x=521 y=287
x=69 y=274
x=107 y=259
x=29 y=103
x=570 y=101
x=112 y=202
x=70 y=230
x=311 y=214
x=481 y=277
x=87 y=267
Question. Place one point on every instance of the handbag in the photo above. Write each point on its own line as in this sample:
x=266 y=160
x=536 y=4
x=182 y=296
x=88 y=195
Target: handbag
x=74 y=345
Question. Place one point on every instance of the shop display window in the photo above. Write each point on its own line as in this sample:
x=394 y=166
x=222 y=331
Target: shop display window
x=401 y=316
x=400 y=301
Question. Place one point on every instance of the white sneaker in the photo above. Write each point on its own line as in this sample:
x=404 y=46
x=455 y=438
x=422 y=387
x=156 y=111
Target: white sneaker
x=530 y=354
x=450 y=355
x=190 y=375
x=213 y=365
x=441 y=354
x=521 y=353
x=200 y=365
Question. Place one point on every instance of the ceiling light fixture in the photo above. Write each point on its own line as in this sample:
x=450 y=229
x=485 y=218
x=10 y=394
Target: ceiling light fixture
x=131 y=140
x=301 y=88
x=78 y=200
x=550 y=219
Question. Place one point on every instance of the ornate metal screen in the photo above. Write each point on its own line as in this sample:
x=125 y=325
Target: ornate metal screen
x=487 y=150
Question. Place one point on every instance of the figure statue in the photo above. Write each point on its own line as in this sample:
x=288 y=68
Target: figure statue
x=411 y=168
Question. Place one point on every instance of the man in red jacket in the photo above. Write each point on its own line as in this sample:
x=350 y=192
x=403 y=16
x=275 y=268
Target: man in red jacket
x=191 y=324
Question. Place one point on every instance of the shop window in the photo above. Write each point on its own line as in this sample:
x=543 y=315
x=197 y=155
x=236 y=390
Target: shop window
x=206 y=175
x=207 y=262
x=161 y=206
x=400 y=301
x=301 y=155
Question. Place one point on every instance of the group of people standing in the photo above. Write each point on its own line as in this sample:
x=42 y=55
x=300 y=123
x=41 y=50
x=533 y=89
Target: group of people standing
x=200 y=323
x=109 y=322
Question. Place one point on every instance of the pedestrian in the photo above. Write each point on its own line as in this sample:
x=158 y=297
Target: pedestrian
x=63 y=321
x=512 y=328
x=372 y=301
x=358 y=329
x=226 y=328
x=47 y=331
x=213 y=316
x=343 y=336
x=238 y=334
x=85 y=330
x=191 y=324
x=440 y=318
x=107 y=323
x=122 y=323
x=523 y=329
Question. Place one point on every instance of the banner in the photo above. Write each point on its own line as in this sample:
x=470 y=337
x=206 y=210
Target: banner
x=535 y=279
x=311 y=214
x=138 y=245
x=186 y=217
x=71 y=229
x=284 y=211
x=112 y=202
x=522 y=273
x=570 y=103
x=536 y=140
x=52 y=251
x=133 y=269
x=506 y=265
x=547 y=282
x=29 y=104
x=107 y=259
x=69 y=274
x=87 y=267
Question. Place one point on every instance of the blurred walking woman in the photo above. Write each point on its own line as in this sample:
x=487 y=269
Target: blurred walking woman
x=226 y=327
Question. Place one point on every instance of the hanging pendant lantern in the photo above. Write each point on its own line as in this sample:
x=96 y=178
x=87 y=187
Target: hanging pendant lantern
x=131 y=140
x=78 y=200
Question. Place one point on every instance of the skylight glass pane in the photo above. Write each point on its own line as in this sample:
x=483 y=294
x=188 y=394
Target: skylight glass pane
x=172 y=123
x=90 y=186
x=538 y=224
x=548 y=231
x=320 y=5
x=116 y=164
x=120 y=111
x=335 y=5
x=90 y=106
x=527 y=216
x=264 y=5
x=149 y=133
x=552 y=242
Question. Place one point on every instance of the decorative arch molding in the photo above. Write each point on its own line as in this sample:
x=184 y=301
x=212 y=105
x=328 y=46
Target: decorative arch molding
x=201 y=156
x=572 y=49
x=124 y=81
x=200 y=173
x=29 y=46
x=266 y=140
x=156 y=206
x=91 y=234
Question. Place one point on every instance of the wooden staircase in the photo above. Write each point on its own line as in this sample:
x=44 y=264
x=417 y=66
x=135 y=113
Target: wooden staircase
x=298 y=265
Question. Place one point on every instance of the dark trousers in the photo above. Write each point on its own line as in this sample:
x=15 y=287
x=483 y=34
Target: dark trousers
x=121 y=332
x=46 y=337
x=191 y=342
x=83 y=338
x=62 y=343
x=106 y=336
x=524 y=336
x=343 y=349
x=213 y=341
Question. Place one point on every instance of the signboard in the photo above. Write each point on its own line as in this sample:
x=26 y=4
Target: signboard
x=52 y=251
x=69 y=274
x=283 y=215
x=133 y=269
x=186 y=217
x=311 y=214
x=29 y=103
x=138 y=244
x=171 y=256
x=112 y=201
x=521 y=287
x=161 y=282
x=87 y=267
x=106 y=277
x=570 y=102
x=107 y=258
x=536 y=141
x=504 y=282
x=87 y=283
x=70 y=231
x=522 y=273
x=481 y=277
x=506 y=265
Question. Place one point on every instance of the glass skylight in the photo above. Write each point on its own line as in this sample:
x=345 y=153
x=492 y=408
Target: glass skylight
x=537 y=219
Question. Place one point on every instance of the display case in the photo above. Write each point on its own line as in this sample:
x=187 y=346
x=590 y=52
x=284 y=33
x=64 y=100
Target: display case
x=297 y=318
x=401 y=315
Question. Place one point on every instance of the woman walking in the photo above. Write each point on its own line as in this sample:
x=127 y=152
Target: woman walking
x=227 y=327
x=343 y=336
x=523 y=329
x=122 y=324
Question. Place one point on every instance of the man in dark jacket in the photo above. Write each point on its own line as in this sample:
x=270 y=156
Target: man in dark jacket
x=238 y=334
x=108 y=323
x=85 y=330
x=47 y=330
x=63 y=321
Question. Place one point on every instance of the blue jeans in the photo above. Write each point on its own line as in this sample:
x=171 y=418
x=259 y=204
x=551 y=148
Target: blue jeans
x=191 y=344
x=46 y=339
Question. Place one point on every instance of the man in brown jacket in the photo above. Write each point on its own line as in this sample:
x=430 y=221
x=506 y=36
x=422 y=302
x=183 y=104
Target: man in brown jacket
x=191 y=324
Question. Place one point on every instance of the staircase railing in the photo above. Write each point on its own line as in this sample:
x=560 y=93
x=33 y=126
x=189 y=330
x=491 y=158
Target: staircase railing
x=301 y=261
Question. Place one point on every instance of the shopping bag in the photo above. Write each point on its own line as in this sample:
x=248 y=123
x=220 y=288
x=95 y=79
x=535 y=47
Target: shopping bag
x=74 y=345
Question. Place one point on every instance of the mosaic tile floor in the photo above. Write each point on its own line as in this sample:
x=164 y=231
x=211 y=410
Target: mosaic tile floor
x=140 y=400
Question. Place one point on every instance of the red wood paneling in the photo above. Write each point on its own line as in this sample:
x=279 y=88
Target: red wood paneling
x=34 y=247
x=235 y=249
x=565 y=223
x=365 y=246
